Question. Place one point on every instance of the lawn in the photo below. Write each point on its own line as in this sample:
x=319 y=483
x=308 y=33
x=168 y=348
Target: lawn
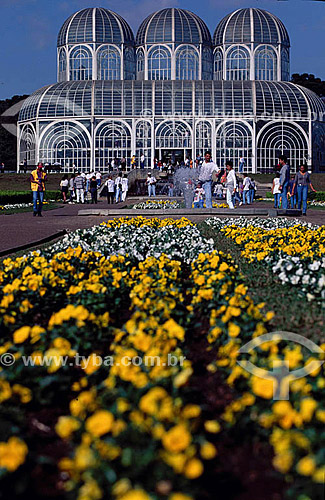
x=20 y=182
x=120 y=378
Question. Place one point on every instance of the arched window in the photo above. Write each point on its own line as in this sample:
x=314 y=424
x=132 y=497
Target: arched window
x=238 y=63
x=218 y=65
x=140 y=64
x=203 y=137
x=62 y=65
x=187 y=63
x=159 y=64
x=81 y=63
x=27 y=145
x=207 y=69
x=108 y=63
x=67 y=144
x=234 y=141
x=129 y=63
x=285 y=65
x=281 y=138
x=113 y=140
x=143 y=141
x=266 y=67
x=173 y=135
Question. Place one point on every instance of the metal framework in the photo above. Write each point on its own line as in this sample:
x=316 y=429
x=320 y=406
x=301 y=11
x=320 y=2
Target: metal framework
x=191 y=94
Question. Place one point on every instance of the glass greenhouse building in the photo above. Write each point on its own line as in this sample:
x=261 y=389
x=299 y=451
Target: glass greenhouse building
x=172 y=92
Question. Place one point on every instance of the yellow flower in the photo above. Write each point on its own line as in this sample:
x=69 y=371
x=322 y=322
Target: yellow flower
x=320 y=415
x=212 y=426
x=121 y=487
x=319 y=475
x=262 y=387
x=90 y=491
x=84 y=458
x=306 y=466
x=283 y=461
x=208 y=451
x=176 y=439
x=12 y=453
x=21 y=334
x=193 y=468
x=135 y=495
x=100 y=423
x=233 y=330
x=66 y=426
x=91 y=364
x=179 y=496
x=191 y=411
x=182 y=378
x=307 y=409
x=24 y=393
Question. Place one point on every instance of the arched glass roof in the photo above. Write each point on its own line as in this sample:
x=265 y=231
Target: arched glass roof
x=95 y=25
x=173 y=25
x=251 y=25
x=214 y=99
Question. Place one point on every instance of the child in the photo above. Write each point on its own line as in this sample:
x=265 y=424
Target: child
x=198 y=196
x=276 y=190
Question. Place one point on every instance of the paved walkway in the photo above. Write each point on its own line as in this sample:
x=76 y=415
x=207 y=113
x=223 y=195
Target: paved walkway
x=21 y=229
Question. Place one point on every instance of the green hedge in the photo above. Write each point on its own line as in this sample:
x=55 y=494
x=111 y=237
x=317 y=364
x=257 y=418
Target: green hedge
x=319 y=196
x=12 y=197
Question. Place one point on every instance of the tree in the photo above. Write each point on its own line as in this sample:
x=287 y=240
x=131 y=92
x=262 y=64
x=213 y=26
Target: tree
x=8 y=141
x=310 y=82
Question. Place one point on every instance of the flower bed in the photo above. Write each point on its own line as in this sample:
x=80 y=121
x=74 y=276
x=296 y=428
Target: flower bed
x=292 y=249
x=140 y=238
x=156 y=205
x=22 y=205
x=139 y=431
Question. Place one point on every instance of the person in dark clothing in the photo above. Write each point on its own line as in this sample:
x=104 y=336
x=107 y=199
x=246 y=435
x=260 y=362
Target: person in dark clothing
x=93 y=189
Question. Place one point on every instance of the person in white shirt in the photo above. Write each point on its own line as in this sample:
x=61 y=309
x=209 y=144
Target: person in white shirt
x=125 y=186
x=142 y=159
x=199 y=196
x=231 y=184
x=110 y=184
x=246 y=187
x=118 y=186
x=205 y=177
x=276 y=190
x=151 y=183
x=98 y=178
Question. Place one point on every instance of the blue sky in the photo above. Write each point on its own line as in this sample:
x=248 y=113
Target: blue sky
x=29 y=30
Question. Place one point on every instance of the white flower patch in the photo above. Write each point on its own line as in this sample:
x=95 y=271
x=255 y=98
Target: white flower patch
x=183 y=244
x=156 y=204
x=307 y=275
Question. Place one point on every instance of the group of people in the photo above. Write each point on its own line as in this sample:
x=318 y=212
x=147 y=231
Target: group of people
x=237 y=190
x=117 y=189
x=80 y=186
x=291 y=189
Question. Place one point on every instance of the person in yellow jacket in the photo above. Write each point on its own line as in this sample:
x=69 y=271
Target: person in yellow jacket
x=37 y=181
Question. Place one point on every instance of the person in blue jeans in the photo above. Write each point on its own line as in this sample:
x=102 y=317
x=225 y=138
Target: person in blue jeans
x=293 y=198
x=37 y=179
x=284 y=180
x=199 y=196
x=302 y=183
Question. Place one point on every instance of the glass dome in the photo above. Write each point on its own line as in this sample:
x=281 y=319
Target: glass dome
x=173 y=26
x=251 y=25
x=95 y=25
x=106 y=98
